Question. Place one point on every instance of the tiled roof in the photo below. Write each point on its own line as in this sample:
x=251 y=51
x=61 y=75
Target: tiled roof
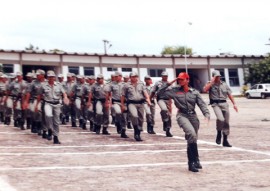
x=130 y=55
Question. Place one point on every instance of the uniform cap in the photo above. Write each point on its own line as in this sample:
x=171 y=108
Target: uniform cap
x=18 y=74
x=34 y=76
x=69 y=74
x=100 y=76
x=112 y=75
x=50 y=73
x=164 y=73
x=60 y=76
x=133 y=74
x=126 y=76
x=215 y=73
x=118 y=73
x=79 y=76
x=40 y=72
x=92 y=77
x=4 y=76
x=183 y=75
x=29 y=74
x=147 y=77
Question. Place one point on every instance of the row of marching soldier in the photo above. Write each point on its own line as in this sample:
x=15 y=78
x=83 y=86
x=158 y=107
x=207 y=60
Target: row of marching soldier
x=44 y=103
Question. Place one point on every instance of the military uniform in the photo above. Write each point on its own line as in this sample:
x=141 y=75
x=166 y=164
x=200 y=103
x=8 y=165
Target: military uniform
x=150 y=113
x=69 y=110
x=218 y=94
x=52 y=96
x=16 y=92
x=2 y=98
x=33 y=91
x=77 y=92
x=101 y=111
x=186 y=117
x=134 y=94
x=164 y=103
x=115 y=89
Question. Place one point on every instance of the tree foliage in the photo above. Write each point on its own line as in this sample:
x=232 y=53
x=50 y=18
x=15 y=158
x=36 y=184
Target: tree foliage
x=259 y=72
x=176 y=50
x=31 y=47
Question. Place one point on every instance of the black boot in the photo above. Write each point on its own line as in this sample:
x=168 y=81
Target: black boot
x=67 y=118
x=151 y=129
x=168 y=133
x=84 y=125
x=1 y=116
x=197 y=161
x=118 y=127
x=225 y=141
x=34 y=127
x=191 y=158
x=123 y=134
x=98 y=127
x=49 y=137
x=73 y=124
x=7 y=120
x=63 y=120
x=137 y=134
x=91 y=126
x=28 y=122
x=105 y=131
x=80 y=122
x=39 y=128
x=16 y=123
x=164 y=126
x=56 y=140
x=113 y=120
x=21 y=124
x=218 y=138
x=129 y=126
x=44 y=135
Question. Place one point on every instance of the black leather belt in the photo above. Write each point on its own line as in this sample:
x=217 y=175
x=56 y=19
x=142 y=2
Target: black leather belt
x=135 y=101
x=217 y=101
x=53 y=102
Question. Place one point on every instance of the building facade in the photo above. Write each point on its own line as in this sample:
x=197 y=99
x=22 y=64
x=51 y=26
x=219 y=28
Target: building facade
x=232 y=67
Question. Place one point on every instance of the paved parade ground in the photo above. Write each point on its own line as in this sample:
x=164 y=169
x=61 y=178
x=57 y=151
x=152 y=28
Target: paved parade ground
x=86 y=161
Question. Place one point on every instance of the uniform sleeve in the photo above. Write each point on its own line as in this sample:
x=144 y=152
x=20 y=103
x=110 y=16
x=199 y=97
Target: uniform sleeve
x=202 y=105
x=124 y=90
x=62 y=88
x=228 y=90
x=154 y=89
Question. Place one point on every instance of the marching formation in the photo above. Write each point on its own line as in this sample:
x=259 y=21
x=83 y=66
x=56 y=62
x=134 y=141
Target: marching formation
x=42 y=104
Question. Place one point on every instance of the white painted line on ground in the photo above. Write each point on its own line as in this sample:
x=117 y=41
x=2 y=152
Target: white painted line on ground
x=175 y=164
x=5 y=186
x=90 y=146
x=103 y=153
x=227 y=148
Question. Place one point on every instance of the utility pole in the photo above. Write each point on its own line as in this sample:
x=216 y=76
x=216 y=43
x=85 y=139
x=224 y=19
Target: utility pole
x=107 y=45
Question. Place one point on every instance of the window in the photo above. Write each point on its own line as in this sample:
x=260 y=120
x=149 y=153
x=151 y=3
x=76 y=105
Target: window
x=233 y=77
x=222 y=77
x=260 y=87
x=111 y=69
x=73 y=69
x=8 y=68
x=88 y=71
x=155 y=72
x=126 y=69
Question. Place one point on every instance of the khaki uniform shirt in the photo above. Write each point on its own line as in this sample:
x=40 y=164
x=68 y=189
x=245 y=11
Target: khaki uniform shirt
x=52 y=93
x=185 y=101
x=219 y=91
x=134 y=92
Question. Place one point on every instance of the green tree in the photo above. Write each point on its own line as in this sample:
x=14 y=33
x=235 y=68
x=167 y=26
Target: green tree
x=31 y=47
x=259 y=72
x=176 y=50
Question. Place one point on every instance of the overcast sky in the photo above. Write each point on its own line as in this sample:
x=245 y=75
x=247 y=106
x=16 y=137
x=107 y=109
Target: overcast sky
x=137 y=26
